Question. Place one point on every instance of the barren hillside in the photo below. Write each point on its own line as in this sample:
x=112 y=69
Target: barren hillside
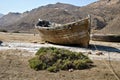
x=1 y=15
x=113 y=27
x=102 y=13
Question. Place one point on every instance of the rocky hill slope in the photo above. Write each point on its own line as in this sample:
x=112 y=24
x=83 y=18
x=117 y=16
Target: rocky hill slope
x=113 y=27
x=1 y=15
x=102 y=12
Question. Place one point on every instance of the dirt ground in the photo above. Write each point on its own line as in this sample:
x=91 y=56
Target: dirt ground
x=14 y=63
x=14 y=66
x=23 y=37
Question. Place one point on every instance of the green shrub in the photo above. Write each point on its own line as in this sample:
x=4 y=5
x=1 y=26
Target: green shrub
x=67 y=64
x=80 y=64
x=53 y=69
x=41 y=50
x=3 y=30
x=36 y=64
x=55 y=59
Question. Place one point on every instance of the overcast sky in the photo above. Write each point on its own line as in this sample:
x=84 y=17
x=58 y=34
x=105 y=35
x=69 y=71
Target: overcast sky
x=26 y=5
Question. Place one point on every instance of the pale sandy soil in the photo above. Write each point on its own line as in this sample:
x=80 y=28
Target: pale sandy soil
x=17 y=49
x=21 y=37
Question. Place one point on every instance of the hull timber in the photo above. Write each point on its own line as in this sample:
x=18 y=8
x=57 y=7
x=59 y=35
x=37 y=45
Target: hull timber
x=106 y=37
x=77 y=33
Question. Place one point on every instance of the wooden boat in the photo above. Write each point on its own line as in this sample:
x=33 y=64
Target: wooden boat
x=74 y=33
x=106 y=37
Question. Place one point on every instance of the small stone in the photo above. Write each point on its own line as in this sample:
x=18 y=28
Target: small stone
x=34 y=42
x=89 y=52
x=70 y=70
x=99 y=53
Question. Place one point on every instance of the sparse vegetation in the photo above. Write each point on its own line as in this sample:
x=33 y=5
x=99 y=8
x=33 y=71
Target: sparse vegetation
x=3 y=30
x=55 y=59
x=16 y=31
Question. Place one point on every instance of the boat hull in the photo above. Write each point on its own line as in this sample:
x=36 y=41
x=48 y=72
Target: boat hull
x=76 y=33
x=106 y=37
